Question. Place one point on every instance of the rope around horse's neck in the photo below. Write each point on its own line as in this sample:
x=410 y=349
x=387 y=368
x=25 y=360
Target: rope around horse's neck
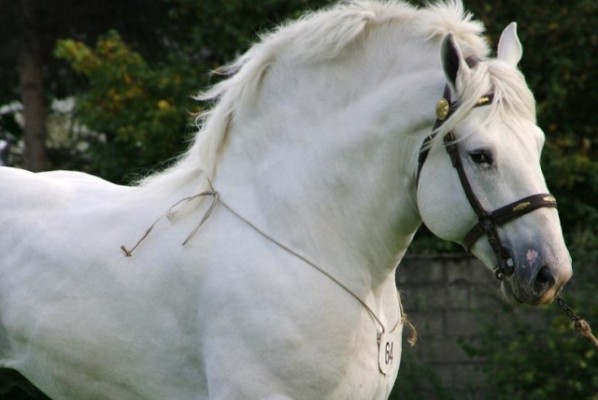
x=307 y=261
x=172 y=211
x=412 y=339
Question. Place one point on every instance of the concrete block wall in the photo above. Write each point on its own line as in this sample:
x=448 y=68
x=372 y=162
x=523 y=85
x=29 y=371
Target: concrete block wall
x=446 y=297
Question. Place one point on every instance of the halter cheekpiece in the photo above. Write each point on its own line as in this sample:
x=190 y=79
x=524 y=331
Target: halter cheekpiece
x=488 y=222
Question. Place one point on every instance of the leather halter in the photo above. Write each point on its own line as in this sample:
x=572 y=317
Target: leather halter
x=488 y=222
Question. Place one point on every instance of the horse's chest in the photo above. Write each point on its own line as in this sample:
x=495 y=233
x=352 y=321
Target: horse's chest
x=289 y=337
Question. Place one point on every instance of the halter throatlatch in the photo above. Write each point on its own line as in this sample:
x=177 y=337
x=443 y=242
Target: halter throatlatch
x=488 y=222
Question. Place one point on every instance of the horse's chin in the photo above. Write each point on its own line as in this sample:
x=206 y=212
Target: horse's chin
x=515 y=295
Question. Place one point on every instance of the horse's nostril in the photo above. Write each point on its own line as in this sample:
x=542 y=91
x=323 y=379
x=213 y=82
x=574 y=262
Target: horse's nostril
x=544 y=281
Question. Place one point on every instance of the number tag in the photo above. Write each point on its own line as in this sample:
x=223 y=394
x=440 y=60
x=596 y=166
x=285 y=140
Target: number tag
x=389 y=353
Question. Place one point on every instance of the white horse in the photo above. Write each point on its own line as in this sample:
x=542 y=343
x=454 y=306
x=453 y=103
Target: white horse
x=262 y=264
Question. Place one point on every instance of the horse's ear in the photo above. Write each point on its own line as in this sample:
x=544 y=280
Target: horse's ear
x=509 y=46
x=453 y=62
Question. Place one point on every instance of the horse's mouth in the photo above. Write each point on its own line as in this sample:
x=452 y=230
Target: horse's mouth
x=530 y=295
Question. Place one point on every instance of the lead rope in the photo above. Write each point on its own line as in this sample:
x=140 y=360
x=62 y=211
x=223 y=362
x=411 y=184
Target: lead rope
x=581 y=325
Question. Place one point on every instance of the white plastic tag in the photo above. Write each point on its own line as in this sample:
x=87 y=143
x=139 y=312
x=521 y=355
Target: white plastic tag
x=389 y=353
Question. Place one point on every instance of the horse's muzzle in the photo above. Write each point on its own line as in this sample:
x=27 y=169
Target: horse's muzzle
x=537 y=280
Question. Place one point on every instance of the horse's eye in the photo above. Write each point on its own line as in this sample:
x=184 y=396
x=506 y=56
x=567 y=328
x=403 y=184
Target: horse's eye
x=481 y=157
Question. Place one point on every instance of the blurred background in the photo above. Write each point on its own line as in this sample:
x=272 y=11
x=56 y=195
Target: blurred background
x=106 y=87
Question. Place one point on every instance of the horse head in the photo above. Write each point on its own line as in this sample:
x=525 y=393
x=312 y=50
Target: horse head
x=480 y=182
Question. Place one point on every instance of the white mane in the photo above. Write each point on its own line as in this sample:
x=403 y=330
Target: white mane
x=323 y=36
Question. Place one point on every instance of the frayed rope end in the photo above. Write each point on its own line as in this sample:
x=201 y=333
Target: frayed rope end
x=128 y=253
x=584 y=328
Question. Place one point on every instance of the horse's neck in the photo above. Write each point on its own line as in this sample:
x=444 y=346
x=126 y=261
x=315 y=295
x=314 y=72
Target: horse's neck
x=330 y=171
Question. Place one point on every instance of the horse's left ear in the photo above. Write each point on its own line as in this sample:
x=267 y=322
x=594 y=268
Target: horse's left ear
x=453 y=61
x=509 y=46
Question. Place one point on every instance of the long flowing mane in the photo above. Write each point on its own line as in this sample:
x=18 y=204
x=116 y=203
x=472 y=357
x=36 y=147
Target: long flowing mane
x=325 y=35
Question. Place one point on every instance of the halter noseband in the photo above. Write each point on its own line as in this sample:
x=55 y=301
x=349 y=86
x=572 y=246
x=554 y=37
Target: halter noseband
x=488 y=222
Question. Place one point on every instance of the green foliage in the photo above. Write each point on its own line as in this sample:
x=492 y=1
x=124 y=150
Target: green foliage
x=139 y=110
x=552 y=363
